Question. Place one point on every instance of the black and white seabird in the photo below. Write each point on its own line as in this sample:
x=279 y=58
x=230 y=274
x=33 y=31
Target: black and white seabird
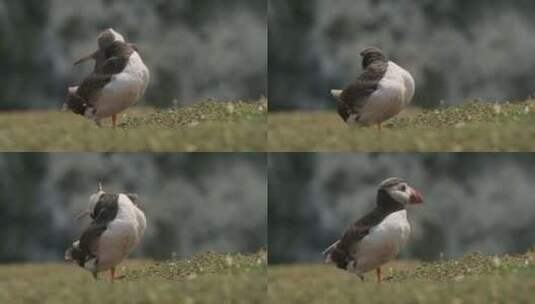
x=116 y=229
x=378 y=237
x=119 y=79
x=381 y=92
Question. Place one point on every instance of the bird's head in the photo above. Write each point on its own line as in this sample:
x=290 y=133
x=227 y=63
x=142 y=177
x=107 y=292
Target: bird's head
x=71 y=94
x=93 y=200
x=78 y=105
x=105 y=39
x=109 y=36
x=370 y=55
x=396 y=193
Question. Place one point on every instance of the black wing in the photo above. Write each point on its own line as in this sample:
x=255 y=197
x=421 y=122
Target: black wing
x=87 y=93
x=354 y=96
x=90 y=88
x=113 y=59
x=88 y=244
x=106 y=209
x=342 y=251
x=113 y=65
x=76 y=103
x=116 y=58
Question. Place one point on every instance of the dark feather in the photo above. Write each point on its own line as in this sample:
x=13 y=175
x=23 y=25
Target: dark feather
x=341 y=254
x=106 y=208
x=111 y=59
x=90 y=88
x=116 y=58
x=87 y=244
x=77 y=104
x=104 y=212
x=355 y=95
x=113 y=65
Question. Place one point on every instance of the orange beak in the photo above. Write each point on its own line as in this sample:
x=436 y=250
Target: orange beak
x=416 y=197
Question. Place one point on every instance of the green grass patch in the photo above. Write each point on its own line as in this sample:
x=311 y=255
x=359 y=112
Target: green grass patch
x=475 y=278
x=473 y=126
x=205 y=126
x=203 y=264
x=205 y=278
x=202 y=112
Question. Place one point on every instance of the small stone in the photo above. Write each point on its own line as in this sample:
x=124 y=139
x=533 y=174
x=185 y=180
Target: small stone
x=497 y=262
x=497 y=108
x=458 y=278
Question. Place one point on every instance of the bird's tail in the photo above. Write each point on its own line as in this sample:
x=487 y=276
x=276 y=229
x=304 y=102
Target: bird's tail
x=336 y=93
x=327 y=252
x=70 y=252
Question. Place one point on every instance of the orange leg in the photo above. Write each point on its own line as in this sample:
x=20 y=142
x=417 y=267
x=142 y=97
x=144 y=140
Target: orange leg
x=379 y=275
x=112 y=274
x=114 y=120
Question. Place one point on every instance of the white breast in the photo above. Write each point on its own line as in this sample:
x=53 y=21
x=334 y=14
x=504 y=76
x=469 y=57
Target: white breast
x=124 y=89
x=122 y=235
x=383 y=242
x=394 y=93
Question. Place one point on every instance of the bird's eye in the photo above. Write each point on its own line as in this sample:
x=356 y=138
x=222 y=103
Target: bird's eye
x=403 y=188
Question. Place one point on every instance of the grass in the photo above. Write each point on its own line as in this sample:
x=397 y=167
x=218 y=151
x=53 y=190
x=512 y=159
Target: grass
x=205 y=126
x=474 y=278
x=206 y=278
x=473 y=126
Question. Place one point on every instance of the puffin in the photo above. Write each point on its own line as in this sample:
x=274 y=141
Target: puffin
x=119 y=79
x=116 y=229
x=377 y=237
x=381 y=92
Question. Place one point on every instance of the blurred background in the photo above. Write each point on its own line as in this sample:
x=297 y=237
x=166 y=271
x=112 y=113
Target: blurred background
x=472 y=202
x=456 y=50
x=195 y=49
x=193 y=202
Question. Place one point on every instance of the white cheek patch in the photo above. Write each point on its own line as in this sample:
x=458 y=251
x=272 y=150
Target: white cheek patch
x=399 y=196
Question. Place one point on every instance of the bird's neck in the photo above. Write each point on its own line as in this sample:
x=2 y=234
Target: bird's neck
x=386 y=203
x=375 y=59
